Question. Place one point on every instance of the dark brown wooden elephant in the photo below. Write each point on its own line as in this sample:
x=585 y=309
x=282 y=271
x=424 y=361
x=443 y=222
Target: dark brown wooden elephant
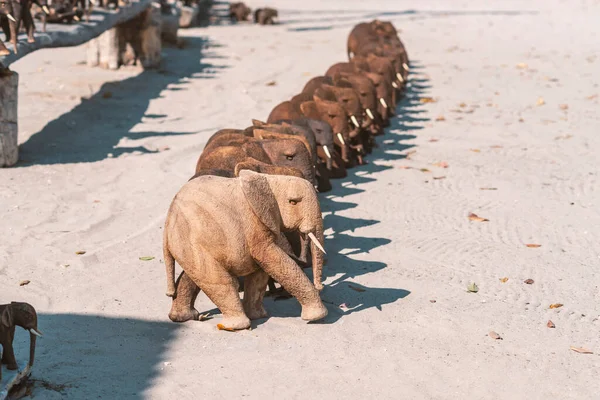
x=13 y=315
x=266 y=16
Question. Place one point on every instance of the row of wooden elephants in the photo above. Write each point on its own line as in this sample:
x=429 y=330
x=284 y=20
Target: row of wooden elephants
x=250 y=215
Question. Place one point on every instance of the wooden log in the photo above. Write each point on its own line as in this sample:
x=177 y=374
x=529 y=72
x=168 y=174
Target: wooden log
x=136 y=40
x=63 y=35
x=9 y=148
x=170 y=25
x=11 y=379
x=189 y=16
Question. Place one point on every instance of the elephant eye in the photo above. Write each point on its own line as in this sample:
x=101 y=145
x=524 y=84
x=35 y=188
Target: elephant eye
x=332 y=116
x=290 y=157
x=345 y=100
x=294 y=201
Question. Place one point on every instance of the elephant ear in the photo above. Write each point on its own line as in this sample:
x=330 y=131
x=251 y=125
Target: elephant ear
x=259 y=195
x=7 y=318
x=309 y=109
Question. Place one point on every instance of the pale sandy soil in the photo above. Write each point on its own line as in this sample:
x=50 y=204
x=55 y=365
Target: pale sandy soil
x=99 y=173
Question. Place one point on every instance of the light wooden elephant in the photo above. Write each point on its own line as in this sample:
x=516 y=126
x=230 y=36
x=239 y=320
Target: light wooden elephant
x=218 y=229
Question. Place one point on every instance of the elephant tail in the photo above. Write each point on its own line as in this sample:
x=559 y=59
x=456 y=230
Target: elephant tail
x=170 y=266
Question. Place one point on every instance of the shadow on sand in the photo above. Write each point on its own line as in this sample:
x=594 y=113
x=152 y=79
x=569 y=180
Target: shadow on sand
x=93 y=130
x=91 y=357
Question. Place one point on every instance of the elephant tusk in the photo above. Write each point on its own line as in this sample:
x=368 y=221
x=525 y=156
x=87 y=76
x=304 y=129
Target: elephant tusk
x=76 y=18
x=316 y=242
x=383 y=103
x=395 y=85
x=405 y=67
x=354 y=121
x=326 y=150
x=370 y=114
x=339 y=135
x=36 y=332
x=11 y=18
x=399 y=76
x=46 y=10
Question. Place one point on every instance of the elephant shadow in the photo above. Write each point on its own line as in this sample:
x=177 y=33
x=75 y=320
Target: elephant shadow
x=84 y=356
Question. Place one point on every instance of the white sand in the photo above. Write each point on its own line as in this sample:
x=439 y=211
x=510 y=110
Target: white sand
x=398 y=234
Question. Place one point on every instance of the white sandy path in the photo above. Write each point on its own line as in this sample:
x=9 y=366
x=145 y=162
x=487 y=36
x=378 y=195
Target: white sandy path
x=396 y=233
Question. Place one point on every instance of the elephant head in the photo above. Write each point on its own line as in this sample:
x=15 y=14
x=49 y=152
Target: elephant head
x=332 y=113
x=347 y=97
x=384 y=95
x=366 y=95
x=286 y=130
x=290 y=153
x=23 y=315
x=287 y=203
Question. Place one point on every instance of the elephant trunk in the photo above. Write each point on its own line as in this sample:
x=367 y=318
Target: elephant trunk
x=317 y=251
x=329 y=161
x=32 y=341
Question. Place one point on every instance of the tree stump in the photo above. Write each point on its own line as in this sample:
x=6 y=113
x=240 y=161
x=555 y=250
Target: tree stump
x=189 y=16
x=138 y=39
x=9 y=148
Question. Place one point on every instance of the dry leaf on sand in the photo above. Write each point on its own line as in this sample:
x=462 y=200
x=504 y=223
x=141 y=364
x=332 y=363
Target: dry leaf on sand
x=25 y=282
x=494 y=335
x=529 y=281
x=475 y=217
x=404 y=167
x=555 y=305
x=80 y=252
x=440 y=118
x=222 y=327
x=564 y=106
x=472 y=288
x=533 y=246
x=434 y=140
x=475 y=150
x=427 y=100
x=424 y=170
x=550 y=324
x=541 y=101
x=441 y=164
x=439 y=177
x=272 y=83
x=146 y=258
x=581 y=350
x=504 y=280
x=522 y=65
x=488 y=188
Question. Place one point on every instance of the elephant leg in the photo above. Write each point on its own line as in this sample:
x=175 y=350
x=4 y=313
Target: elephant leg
x=284 y=270
x=3 y=50
x=182 y=308
x=29 y=25
x=5 y=28
x=222 y=289
x=8 y=357
x=255 y=286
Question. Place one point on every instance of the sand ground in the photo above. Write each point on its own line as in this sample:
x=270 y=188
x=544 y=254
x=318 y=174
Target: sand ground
x=104 y=152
